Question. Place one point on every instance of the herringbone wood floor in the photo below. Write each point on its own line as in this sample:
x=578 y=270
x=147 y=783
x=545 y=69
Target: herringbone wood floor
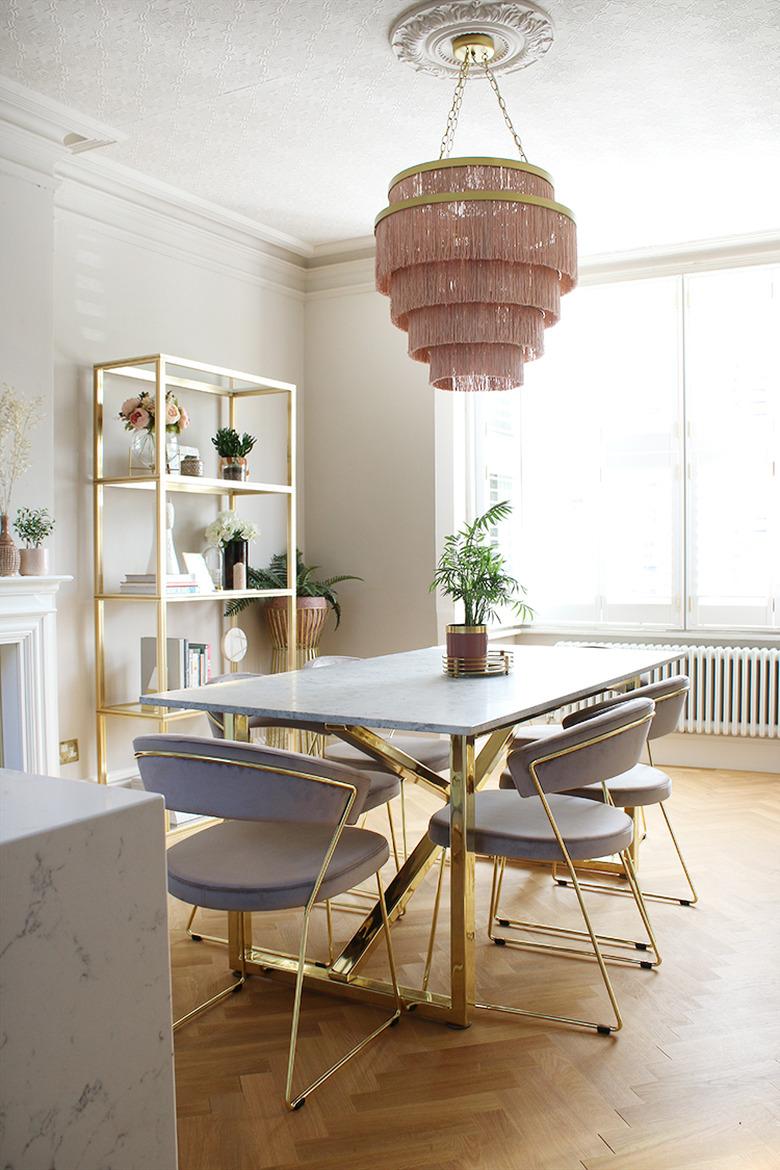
x=691 y=1083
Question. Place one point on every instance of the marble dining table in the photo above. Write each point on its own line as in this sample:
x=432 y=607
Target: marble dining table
x=410 y=692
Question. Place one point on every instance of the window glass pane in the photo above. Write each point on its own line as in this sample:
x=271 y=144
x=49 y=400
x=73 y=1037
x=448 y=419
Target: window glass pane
x=732 y=340
x=591 y=450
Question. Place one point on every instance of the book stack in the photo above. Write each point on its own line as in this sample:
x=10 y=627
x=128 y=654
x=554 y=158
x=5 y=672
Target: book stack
x=135 y=583
x=189 y=664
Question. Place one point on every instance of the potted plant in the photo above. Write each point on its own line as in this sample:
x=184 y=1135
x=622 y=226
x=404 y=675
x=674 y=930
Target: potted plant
x=470 y=570
x=233 y=449
x=232 y=534
x=33 y=526
x=314 y=598
x=17 y=416
x=138 y=415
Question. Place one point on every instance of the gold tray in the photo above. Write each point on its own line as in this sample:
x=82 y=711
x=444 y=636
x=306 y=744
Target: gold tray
x=498 y=662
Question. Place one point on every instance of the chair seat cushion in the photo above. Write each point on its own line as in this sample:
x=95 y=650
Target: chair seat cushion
x=260 y=865
x=640 y=785
x=509 y=825
x=384 y=787
x=429 y=750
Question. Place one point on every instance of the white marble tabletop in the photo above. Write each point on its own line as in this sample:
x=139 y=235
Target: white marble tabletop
x=408 y=691
x=30 y=805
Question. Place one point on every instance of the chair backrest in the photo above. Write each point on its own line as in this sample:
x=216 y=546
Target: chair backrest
x=596 y=749
x=669 y=697
x=241 y=781
x=330 y=660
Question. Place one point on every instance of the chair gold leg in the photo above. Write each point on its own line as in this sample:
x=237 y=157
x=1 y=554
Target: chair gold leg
x=595 y=952
x=329 y=920
x=295 y=1102
x=404 y=836
x=226 y=991
x=434 y=922
x=393 y=841
x=669 y=899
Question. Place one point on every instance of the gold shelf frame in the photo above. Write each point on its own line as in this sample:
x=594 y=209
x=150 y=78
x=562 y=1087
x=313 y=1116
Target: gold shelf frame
x=167 y=372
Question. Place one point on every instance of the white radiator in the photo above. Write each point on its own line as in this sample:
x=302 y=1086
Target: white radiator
x=735 y=690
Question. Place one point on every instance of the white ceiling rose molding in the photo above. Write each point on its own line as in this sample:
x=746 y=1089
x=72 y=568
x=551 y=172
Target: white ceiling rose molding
x=422 y=36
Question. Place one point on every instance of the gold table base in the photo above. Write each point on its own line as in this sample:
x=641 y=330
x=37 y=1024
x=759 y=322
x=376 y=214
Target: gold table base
x=468 y=773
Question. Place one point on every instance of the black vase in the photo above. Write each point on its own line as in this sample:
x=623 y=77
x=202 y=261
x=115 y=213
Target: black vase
x=236 y=553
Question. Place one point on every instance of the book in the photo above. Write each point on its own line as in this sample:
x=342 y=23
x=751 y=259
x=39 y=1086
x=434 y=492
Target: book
x=170 y=578
x=177 y=664
x=189 y=664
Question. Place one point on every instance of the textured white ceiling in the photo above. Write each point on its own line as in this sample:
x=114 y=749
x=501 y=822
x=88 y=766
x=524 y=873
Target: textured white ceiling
x=659 y=119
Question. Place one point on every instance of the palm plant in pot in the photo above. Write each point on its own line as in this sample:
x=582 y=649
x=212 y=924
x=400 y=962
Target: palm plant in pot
x=470 y=570
x=315 y=597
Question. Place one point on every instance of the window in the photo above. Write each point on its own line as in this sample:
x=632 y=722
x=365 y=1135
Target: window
x=641 y=456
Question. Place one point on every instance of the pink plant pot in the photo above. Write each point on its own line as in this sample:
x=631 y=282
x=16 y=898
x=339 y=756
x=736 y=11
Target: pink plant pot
x=468 y=643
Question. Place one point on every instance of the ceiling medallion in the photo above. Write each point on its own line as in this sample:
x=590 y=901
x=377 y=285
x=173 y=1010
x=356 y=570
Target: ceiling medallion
x=422 y=36
x=475 y=252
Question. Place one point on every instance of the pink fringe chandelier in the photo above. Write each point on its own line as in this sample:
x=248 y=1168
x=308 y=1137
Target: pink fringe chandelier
x=474 y=254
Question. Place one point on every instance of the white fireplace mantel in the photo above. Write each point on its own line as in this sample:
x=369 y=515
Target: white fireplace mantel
x=28 y=673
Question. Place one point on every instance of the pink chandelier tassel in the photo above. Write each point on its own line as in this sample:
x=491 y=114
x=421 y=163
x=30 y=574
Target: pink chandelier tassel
x=475 y=255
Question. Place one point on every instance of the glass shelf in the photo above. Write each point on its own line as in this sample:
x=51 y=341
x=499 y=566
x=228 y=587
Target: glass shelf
x=141 y=711
x=196 y=483
x=217 y=595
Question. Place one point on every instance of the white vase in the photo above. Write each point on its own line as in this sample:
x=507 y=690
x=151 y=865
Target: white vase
x=34 y=562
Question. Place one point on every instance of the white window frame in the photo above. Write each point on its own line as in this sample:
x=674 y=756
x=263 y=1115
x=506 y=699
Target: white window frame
x=457 y=440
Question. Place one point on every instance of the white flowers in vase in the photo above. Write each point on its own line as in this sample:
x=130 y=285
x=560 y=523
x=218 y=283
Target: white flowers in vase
x=229 y=526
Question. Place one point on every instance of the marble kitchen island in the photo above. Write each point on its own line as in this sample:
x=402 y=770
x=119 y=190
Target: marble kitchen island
x=85 y=1008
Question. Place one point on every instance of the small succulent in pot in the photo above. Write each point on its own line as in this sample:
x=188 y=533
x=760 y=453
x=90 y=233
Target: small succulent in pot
x=471 y=570
x=33 y=526
x=233 y=449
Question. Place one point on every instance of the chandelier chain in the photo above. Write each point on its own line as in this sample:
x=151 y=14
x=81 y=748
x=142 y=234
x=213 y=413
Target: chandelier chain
x=502 y=107
x=457 y=101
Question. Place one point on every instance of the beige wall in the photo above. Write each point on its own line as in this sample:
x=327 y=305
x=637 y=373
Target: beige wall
x=369 y=458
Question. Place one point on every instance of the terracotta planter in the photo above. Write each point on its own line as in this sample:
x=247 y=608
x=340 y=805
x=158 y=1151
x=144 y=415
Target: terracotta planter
x=34 y=562
x=312 y=612
x=9 y=553
x=468 y=643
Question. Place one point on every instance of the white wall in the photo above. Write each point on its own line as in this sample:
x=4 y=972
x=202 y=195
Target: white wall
x=26 y=251
x=369 y=457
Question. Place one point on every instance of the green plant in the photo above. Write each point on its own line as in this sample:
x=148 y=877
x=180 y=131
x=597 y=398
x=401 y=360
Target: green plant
x=231 y=445
x=472 y=571
x=33 y=525
x=275 y=577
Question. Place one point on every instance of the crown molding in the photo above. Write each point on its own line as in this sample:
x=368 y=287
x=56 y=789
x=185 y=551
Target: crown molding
x=339 y=269
x=673 y=259
x=50 y=120
x=33 y=129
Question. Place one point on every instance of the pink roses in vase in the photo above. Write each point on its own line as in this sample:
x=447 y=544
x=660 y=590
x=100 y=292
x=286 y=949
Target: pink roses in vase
x=138 y=415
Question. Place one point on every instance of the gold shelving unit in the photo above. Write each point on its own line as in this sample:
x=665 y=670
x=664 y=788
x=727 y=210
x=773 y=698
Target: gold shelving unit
x=174 y=373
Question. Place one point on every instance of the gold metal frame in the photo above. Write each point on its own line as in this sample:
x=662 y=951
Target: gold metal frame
x=439 y=164
x=241 y=918
x=232 y=385
x=594 y=951
x=619 y=870
x=474 y=197
x=342 y=977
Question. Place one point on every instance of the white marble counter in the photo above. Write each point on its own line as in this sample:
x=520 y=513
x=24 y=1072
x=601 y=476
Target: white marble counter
x=86 y=1081
x=410 y=692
